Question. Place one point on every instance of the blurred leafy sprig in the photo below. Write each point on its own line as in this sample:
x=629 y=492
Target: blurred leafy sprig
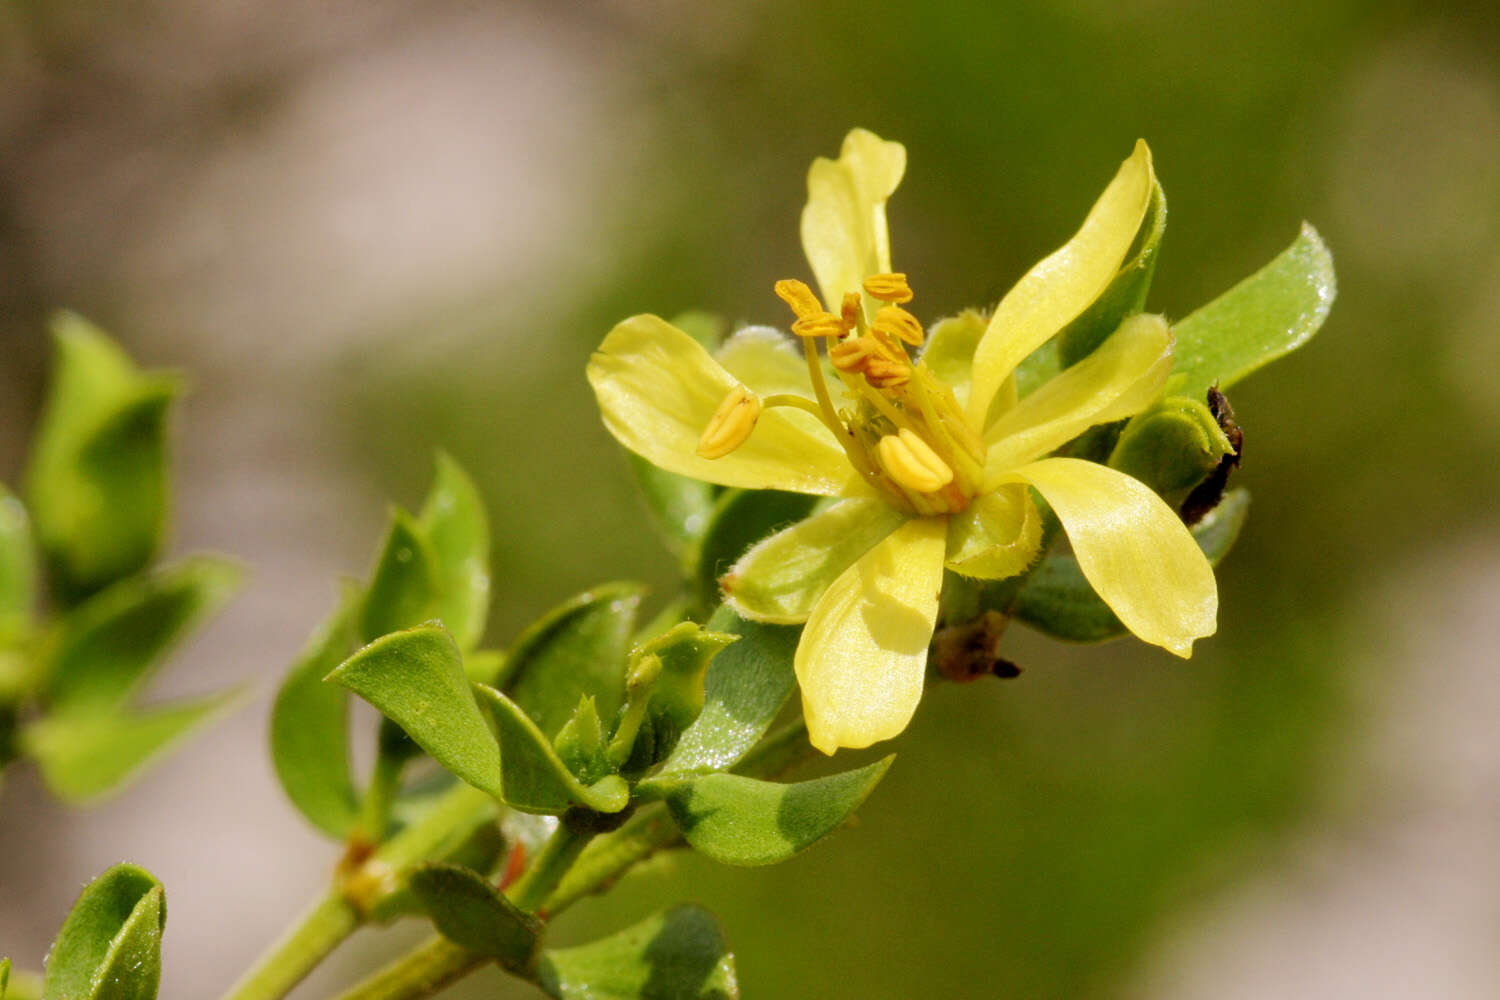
x=88 y=613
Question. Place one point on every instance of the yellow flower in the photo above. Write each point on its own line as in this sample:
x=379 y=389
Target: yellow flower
x=931 y=457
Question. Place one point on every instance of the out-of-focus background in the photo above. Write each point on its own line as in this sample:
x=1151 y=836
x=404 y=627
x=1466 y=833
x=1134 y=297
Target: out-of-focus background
x=369 y=230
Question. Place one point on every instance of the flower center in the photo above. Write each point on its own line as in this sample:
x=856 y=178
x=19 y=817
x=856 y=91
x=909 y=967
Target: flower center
x=903 y=430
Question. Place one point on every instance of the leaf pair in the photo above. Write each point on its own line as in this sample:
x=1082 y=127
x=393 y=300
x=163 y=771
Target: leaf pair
x=416 y=678
x=97 y=485
x=678 y=954
x=432 y=566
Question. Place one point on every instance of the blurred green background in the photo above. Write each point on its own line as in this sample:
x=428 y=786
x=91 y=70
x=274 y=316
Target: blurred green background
x=371 y=230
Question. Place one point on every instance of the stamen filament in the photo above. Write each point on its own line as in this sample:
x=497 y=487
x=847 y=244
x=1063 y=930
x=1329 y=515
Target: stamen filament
x=829 y=414
x=807 y=405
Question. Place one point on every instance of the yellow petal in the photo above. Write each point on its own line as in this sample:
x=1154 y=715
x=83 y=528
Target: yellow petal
x=1059 y=287
x=1121 y=378
x=863 y=654
x=997 y=536
x=657 y=390
x=1133 y=549
x=843 y=226
x=767 y=361
x=779 y=579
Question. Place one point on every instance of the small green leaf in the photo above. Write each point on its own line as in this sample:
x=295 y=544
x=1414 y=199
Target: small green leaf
x=1126 y=294
x=416 y=678
x=107 y=647
x=455 y=522
x=1058 y=601
x=1171 y=447
x=744 y=689
x=309 y=728
x=744 y=821
x=23 y=985
x=403 y=590
x=1269 y=314
x=577 y=648
x=17 y=569
x=705 y=327
x=484 y=666
x=580 y=744
x=676 y=955
x=680 y=507
x=675 y=696
x=97 y=486
x=740 y=519
x=109 y=947
x=534 y=778
x=470 y=912
x=4 y=976
x=84 y=755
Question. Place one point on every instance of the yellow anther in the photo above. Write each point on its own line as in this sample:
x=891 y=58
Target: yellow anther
x=850 y=355
x=888 y=287
x=912 y=463
x=819 y=324
x=897 y=322
x=731 y=424
x=797 y=295
x=884 y=373
x=852 y=310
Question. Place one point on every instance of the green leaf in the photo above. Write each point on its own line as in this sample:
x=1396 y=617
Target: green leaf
x=580 y=744
x=676 y=955
x=309 y=728
x=744 y=689
x=680 y=507
x=416 y=678
x=674 y=697
x=17 y=569
x=84 y=755
x=484 y=666
x=577 y=648
x=1171 y=447
x=106 y=648
x=1059 y=602
x=1126 y=294
x=403 y=590
x=4 y=976
x=744 y=821
x=97 y=485
x=533 y=777
x=1269 y=314
x=740 y=519
x=455 y=523
x=705 y=327
x=470 y=912
x=109 y=947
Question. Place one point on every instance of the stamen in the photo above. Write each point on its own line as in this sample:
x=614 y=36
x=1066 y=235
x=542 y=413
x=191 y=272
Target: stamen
x=853 y=311
x=888 y=287
x=884 y=373
x=841 y=431
x=897 y=322
x=797 y=295
x=850 y=355
x=819 y=324
x=912 y=463
x=731 y=423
